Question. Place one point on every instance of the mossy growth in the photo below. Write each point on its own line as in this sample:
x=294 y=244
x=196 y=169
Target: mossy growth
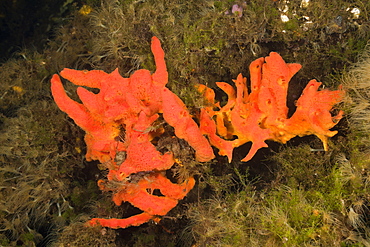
x=77 y=234
x=315 y=199
x=38 y=156
x=34 y=178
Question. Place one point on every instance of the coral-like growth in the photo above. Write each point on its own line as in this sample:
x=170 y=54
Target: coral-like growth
x=120 y=102
x=119 y=119
x=140 y=194
x=263 y=114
